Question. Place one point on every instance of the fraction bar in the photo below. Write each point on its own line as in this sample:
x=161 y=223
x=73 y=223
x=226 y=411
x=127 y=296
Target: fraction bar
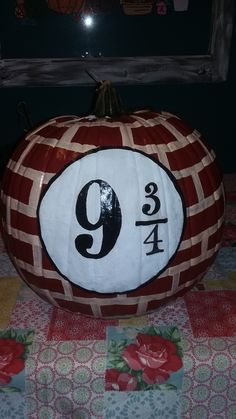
x=150 y=222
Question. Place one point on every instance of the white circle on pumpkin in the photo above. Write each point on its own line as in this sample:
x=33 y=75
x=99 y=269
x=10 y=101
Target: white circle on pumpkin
x=112 y=192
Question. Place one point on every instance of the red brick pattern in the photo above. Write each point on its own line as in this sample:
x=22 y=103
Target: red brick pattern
x=45 y=158
x=180 y=125
x=188 y=189
x=15 y=183
x=186 y=156
x=19 y=150
x=55 y=131
x=37 y=281
x=212 y=174
x=204 y=219
x=24 y=223
x=214 y=238
x=152 y=135
x=98 y=136
x=163 y=137
x=21 y=250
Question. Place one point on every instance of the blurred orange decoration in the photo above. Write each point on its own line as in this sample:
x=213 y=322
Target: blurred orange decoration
x=137 y=7
x=66 y=6
x=97 y=6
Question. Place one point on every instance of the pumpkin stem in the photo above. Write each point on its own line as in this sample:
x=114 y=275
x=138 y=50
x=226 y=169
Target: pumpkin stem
x=107 y=102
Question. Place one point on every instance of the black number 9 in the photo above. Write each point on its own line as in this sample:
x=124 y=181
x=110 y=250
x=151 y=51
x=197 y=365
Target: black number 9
x=110 y=220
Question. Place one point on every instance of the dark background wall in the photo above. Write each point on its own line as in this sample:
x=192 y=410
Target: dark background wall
x=210 y=108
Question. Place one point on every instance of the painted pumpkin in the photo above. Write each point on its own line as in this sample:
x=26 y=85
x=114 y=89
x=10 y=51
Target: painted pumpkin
x=112 y=216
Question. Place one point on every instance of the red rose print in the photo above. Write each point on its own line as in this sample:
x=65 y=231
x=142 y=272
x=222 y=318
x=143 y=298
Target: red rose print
x=161 y=8
x=120 y=381
x=11 y=361
x=154 y=355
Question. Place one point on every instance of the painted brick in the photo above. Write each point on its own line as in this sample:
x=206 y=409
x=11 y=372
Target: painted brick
x=188 y=190
x=185 y=255
x=24 y=223
x=98 y=136
x=75 y=307
x=180 y=126
x=215 y=238
x=203 y=220
x=186 y=156
x=157 y=134
x=17 y=186
x=156 y=285
x=52 y=131
x=116 y=310
x=213 y=181
x=193 y=272
x=40 y=282
x=21 y=250
x=46 y=158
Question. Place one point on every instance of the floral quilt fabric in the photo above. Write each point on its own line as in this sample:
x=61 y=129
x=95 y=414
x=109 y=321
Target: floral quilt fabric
x=176 y=363
x=143 y=359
